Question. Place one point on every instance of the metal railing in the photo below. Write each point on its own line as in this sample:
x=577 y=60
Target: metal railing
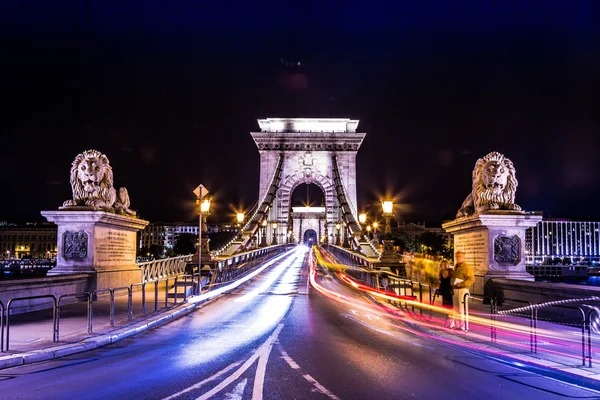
x=54 y=315
x=88 y=300
x=168 y=267
x=229 y=270
x=532 y=310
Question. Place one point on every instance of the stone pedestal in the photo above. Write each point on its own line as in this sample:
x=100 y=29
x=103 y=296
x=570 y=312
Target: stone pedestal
x=389 y=260
x=97 y=242
x=494 y=244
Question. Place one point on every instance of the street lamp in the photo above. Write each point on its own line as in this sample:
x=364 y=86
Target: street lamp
x=203 y=200
x=274 y=242
x=388 y=213
x=362 y=219
x=345 y=242
x=338 y=226
x=240 y=218
x=263 y=241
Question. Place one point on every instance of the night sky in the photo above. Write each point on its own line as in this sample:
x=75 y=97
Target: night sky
x=169 y=91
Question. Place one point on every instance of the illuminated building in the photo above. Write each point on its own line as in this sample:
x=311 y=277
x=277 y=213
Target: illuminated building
x=567 y=240
x=30 y=240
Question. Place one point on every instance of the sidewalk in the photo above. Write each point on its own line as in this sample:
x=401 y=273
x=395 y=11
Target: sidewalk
x=30 y=335
x=558 y=352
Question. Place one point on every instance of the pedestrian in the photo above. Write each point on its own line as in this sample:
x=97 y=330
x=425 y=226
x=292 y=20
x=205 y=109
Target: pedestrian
x=462 y=279
x=445 y=289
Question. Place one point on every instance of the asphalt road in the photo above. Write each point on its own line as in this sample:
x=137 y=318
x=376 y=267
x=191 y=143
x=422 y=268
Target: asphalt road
x=278 y=338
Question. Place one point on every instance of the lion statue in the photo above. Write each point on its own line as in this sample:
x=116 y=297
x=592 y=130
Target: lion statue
x=494 y=186
x=92 y=184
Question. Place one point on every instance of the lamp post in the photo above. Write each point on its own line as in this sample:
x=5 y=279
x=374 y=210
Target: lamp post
x=338 y=226
x=203 y=201
x=345 y=242
x=362 y=219
x=388 y=213
x=369 y=232
x=204 y=212
x=263 y=240
x=274 y=242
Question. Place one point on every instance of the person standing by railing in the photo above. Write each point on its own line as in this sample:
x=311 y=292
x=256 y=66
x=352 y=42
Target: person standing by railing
x=462 y=279
x=445 y=289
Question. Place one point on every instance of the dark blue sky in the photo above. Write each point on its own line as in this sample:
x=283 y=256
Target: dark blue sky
x=170 y=91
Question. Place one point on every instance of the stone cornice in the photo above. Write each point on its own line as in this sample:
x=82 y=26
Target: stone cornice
x=492 y=218
x=101 y=217
x=308 y=141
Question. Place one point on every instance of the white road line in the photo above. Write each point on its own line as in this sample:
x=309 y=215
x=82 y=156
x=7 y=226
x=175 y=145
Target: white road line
x=244 y=367
x=259 y=379
x=289 y=360
x=309 y=378
x=238 y=392
x=199 y=384
x=320 y=387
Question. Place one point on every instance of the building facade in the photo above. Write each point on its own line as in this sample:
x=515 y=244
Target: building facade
x=563 y=240
x=30 y=240
x=165 y=234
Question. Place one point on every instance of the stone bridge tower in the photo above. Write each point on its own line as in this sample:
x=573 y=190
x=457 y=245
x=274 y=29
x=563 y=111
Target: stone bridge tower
x=309 y=150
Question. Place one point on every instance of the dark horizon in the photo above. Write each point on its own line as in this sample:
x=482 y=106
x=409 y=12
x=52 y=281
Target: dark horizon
x=170 y=93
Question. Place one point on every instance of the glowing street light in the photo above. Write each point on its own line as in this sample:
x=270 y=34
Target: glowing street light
x=388 y=213
x=240 y=217
x=362 y=218
x=338 y=226
x=203 y=199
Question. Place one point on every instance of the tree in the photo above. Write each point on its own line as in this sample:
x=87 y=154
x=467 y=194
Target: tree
x=185 y=244
x=156 y=251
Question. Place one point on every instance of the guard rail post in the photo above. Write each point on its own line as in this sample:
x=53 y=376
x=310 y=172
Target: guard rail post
x=1 y=326
x=167 y=293
x=589 y=333
x=30 y=298
x=87 y=297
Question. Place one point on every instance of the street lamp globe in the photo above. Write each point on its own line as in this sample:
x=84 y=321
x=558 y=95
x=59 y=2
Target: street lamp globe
x=388 y=212
x=205 y=205
x=240 y=217
x=388 y=207
x=362 y=218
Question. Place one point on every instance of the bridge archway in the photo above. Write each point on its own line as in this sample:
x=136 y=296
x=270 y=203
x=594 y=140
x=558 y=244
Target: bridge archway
x=310 y=237
x=295 y=151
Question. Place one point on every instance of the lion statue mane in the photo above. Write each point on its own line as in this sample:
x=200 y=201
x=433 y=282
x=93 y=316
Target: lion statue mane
x=92 y=185
x=494 y=186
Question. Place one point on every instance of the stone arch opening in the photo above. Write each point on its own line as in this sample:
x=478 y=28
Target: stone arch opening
x=310 y=237
x=307 y=194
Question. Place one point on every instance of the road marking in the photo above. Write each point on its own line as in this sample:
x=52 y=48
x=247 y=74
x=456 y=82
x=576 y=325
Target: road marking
x=259 y=379
x=231 y=378
x=289 y=360
x=313 y=381
x=199 y=384
x=238 y=392
x=320 y=387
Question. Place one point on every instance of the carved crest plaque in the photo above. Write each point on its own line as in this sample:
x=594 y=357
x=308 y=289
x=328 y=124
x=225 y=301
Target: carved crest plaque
x=507 y=250
x=75 y=245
